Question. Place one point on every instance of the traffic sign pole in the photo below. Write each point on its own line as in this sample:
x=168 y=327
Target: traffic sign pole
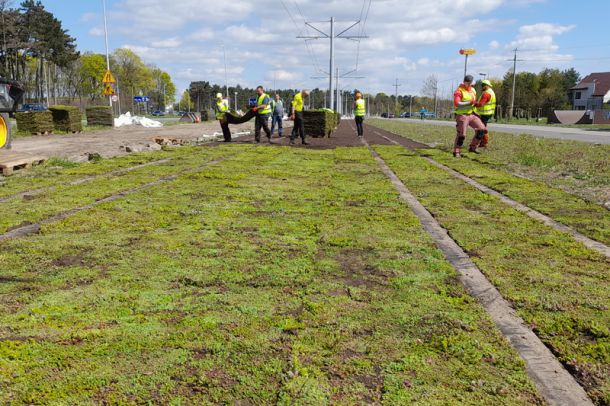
x=466 y=53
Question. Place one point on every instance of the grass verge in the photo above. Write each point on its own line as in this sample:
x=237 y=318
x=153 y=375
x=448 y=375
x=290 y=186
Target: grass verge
x=559 y=287
x=580 y=168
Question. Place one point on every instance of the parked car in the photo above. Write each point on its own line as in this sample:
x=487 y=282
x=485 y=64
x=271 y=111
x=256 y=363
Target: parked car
x=384 y=115
x=391 y=115
x=158 y=113
x=32 y=107
x=406 y=114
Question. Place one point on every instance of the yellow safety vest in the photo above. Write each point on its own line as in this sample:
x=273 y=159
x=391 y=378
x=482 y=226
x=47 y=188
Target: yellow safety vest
x=297 y=103
x=260 y=101
x=466 y=96
x=360 y=108
x=221 y=109
x=489 y=108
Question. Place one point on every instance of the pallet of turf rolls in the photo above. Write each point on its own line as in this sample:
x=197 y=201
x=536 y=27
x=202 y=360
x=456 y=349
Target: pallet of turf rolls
x=321 y=122
x=67 y=118
x=35 y=122
x=100 y=115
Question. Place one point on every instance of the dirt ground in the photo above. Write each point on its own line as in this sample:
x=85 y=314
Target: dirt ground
x=121 y=141
x=113 y=142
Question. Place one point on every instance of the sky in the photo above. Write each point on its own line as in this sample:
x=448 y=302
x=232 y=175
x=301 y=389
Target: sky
x=406 y=40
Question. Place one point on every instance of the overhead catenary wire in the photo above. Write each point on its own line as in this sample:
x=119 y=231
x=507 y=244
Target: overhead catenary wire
x=299 y=32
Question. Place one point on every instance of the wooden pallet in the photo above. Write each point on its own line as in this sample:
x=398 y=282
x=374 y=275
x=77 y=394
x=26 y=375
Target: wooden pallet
x=11 y=161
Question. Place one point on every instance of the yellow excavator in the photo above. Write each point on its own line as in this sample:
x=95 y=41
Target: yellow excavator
x=11 y=93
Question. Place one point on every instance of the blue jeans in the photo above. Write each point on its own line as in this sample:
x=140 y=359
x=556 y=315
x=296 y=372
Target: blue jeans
x=277 y=119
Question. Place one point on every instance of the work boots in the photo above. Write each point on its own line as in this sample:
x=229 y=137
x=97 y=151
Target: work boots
x=457 y=153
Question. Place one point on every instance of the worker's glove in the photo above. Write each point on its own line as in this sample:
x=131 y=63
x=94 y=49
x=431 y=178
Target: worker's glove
x=255 y=109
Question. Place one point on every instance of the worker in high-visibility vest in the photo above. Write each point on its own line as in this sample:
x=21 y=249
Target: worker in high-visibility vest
x=359 y=113
x=464 y=100
x=298 y=106
x=263 y=110
x=221 y=108
x=486 y=108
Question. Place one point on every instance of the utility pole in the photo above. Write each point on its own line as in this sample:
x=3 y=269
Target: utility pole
x=512 y=97
x=396 y=85
x=337 y=106
x=332 y=36
x=107 y=50
x=224 y=53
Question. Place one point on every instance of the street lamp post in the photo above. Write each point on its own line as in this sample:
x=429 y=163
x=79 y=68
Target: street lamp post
x=484 y=75
x=107 y=51
x=235 y=105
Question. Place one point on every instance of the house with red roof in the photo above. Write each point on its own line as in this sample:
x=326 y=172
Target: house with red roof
x=591 y=93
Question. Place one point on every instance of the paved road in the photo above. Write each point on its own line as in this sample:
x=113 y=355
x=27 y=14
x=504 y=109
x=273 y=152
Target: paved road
x=562 y=133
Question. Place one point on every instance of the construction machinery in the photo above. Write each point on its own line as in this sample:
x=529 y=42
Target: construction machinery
x=11 y=93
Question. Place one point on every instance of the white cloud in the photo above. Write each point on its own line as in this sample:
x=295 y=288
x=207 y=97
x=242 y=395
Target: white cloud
x=87 y=17
x=246 y=34
x=167 y=43
x=96 y=32
x=494 y=44
x=282 y=75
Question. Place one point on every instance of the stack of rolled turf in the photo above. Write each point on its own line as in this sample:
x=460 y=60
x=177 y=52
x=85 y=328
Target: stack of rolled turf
x=320 y=123
x=100 y=115
x=35 y=122
x=66 y=118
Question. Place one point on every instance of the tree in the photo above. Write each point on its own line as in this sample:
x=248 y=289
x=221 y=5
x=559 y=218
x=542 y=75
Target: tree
x=133 y=76
x=90 y=71
x=186 y=102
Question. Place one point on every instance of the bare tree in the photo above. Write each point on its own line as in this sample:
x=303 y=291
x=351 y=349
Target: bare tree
x=430 y=86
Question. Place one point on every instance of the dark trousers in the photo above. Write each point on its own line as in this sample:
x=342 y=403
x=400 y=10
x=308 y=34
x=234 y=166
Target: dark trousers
x=261 y=122
x=299 y=127
x=485 y=118
x=280 y=124
x=359 y=126
x=226 y=132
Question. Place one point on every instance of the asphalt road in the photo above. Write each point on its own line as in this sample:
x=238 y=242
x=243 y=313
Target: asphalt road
x=562 y=133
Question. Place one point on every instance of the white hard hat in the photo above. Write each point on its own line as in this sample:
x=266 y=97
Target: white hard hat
x=219 y=95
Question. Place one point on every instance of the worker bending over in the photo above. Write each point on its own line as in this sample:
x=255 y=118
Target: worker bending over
x=464 y=100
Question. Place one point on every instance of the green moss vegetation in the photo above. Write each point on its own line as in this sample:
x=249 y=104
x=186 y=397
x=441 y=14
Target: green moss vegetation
x=279 y=276
x=580 y=168
x=588 y=218
x=559 y=287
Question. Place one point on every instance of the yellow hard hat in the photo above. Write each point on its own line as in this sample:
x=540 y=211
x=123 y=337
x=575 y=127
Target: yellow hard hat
x=487 y=83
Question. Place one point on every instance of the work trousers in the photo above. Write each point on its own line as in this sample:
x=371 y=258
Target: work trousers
x=485 y=119
x=299 y=127
x=276 y=119
x=261 y=122
x=463 y=121
x=359 y=126
x=226 y=132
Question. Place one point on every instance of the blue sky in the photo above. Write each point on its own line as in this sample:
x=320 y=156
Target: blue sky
x=408 y=39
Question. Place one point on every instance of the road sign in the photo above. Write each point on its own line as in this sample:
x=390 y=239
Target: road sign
x=468 y=51
x=108 y=89
x=141 y=99
x=115 y=98
x=108 y=78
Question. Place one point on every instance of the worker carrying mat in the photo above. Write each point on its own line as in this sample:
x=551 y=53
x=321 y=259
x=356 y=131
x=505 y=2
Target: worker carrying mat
x=11 y=93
